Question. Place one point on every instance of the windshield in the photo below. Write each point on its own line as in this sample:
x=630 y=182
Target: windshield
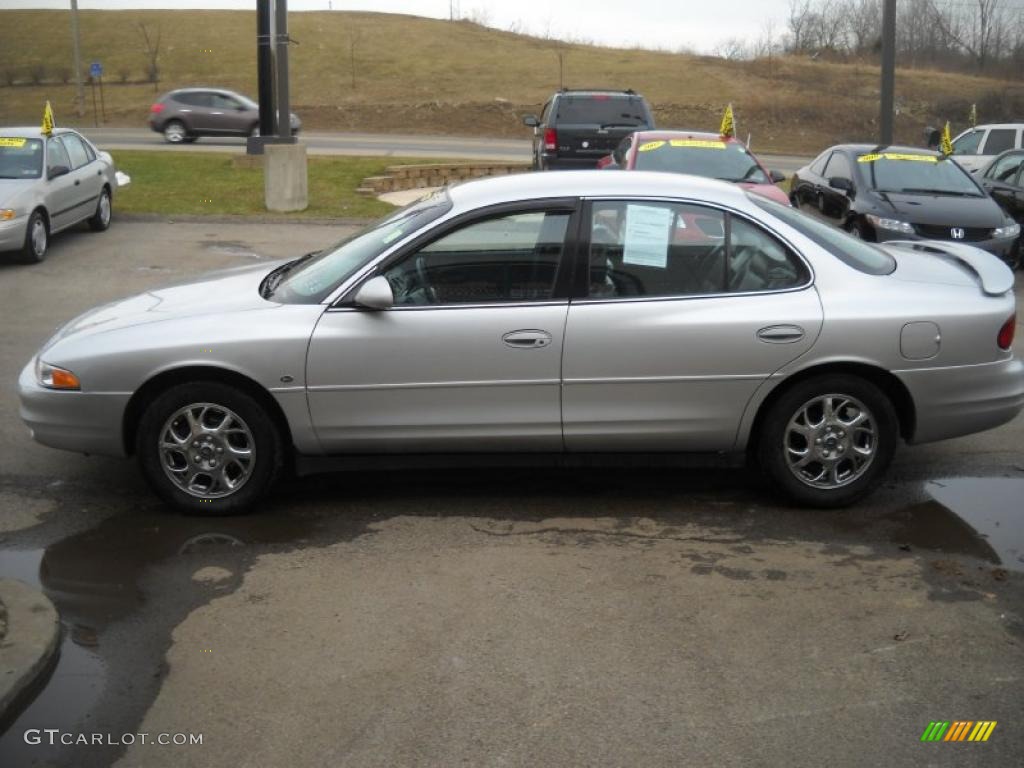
x=310 y=280
x=916 y=174
x=713 y=158
x=602 y=109
x=20 y=158
x=855 y=253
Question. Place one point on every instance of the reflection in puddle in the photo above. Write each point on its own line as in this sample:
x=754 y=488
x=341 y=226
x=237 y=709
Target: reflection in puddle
x=979 y=517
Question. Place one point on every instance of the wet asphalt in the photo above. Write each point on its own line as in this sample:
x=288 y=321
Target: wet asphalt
x=628 y=616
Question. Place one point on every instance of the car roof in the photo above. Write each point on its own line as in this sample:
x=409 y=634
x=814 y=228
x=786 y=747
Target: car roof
x=556 y=184
x=995 y=125
x=31 y=132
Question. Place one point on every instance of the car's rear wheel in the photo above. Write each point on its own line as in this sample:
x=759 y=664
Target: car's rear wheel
x=37 y=238
x=100 y=220
x=209 y=448
x=175 y=132
x=826 y=441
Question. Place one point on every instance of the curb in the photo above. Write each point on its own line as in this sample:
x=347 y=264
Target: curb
x=30 y=644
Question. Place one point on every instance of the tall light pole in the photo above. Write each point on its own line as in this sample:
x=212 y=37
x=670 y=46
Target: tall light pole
x=885 y=123
x=77 y=56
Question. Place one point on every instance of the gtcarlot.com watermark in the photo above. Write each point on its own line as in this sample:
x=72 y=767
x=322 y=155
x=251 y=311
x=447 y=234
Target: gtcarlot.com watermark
x=55 y=736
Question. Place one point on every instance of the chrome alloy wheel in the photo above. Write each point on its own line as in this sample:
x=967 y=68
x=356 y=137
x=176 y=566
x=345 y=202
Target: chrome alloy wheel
x=830 y=441
x=105 y=209
x=207 y=450
x=38 y=237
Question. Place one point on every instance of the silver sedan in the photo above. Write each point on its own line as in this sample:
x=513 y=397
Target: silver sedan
x=50 y=183
x=561 y=317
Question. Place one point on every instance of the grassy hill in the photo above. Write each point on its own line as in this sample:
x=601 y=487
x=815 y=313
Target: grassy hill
x=421 y=75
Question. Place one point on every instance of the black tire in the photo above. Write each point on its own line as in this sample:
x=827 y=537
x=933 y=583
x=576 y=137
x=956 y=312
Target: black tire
x=175 y=132
x=774 y=443
x=100 y=220
x=862 y=232
x=266 y=446
x=33 y=251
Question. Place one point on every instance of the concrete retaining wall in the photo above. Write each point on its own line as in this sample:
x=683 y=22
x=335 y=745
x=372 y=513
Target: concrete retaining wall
x=401 y=177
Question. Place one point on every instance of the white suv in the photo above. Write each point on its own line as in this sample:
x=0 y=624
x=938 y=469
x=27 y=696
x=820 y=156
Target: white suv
x=973 y=148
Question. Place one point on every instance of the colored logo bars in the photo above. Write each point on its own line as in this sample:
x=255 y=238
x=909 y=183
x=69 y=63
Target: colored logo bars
x=958 y=730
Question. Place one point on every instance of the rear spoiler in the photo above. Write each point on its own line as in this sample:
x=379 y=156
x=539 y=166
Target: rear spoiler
x=996 y=278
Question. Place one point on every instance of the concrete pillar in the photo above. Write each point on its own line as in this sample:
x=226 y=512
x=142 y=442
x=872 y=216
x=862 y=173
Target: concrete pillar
x=285 y=182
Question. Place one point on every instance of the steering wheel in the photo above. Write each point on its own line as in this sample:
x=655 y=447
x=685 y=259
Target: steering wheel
x=421 y=272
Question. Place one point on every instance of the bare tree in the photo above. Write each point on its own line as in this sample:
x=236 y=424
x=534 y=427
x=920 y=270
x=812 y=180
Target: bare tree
x=151 y=41
x=800 y=14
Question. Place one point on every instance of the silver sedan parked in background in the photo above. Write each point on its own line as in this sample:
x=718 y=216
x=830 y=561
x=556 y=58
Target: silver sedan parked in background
x=564 y=317
x=48 y=184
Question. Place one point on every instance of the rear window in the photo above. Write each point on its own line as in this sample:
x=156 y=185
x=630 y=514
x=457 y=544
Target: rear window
x=855 y=253
x=602 y=109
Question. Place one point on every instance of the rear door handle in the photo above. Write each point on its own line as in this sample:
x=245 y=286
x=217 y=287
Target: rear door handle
x=526 y=339
x=781 y=334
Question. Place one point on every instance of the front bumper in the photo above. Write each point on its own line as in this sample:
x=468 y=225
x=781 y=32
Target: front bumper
x=1001 y=247
x=950 y=402
x=12 y=233
x=86 y=422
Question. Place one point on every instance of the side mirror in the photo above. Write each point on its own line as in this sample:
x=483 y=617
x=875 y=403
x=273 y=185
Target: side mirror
x=375 y=293
x=531 y=121
x=844 y=185
x=776 y=176
x=57 y=170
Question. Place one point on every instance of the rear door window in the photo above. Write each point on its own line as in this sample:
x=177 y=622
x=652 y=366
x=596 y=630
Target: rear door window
x=195 y=99
x=76 y=150
x=999 y=140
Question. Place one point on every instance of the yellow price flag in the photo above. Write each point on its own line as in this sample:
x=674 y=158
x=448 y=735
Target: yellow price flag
x=946 y=145
x=47 y=128
x=728 y=127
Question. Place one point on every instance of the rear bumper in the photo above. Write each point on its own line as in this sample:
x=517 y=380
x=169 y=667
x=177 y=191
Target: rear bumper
x=86 y=422
x=950 y=402
x=556 y=163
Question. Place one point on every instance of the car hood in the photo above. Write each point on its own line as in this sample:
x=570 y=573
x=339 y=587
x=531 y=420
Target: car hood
x=225 y=291
x=770 y=191
x=944 y=210
x=10 y=188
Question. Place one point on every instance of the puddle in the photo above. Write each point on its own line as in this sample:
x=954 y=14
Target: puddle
x=97 y=580
x=980 y=517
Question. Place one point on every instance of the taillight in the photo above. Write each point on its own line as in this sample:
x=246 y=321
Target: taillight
x=550 y=139
x=157 y=108
x=1005 y=337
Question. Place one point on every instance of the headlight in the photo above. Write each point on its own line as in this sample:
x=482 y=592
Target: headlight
x=6 y=214
x=1010 y=230
x=52 y=377
x=893 y=225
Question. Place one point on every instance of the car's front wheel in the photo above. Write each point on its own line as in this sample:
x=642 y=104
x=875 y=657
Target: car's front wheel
x=37 y=238
x=826 y=441
x=209 y=448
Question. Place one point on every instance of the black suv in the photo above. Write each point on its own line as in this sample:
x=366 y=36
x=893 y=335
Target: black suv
x=578 y=128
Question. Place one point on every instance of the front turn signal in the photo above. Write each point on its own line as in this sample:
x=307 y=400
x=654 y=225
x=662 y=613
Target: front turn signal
x=52 y=377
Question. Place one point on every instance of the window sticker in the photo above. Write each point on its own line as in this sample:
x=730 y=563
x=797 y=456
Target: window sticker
x=896 y=156
x=11 y=142
x=647 y=146
x=701 y=143
x=648 y=230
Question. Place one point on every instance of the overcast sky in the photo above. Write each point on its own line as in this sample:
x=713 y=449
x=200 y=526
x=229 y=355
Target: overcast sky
x=670 y=24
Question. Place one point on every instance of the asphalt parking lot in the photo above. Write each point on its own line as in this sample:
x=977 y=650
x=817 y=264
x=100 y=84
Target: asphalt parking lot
x=627 y=617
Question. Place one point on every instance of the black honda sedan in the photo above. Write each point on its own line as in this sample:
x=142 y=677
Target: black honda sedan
x=903 y=193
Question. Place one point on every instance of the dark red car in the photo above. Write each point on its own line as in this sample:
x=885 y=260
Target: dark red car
x=699 y=154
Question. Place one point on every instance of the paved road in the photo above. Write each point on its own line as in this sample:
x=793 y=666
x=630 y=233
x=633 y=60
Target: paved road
x=500 y=618
x=503 y=150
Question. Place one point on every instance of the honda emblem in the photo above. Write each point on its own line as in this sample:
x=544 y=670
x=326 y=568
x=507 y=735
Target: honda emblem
x=956 y=233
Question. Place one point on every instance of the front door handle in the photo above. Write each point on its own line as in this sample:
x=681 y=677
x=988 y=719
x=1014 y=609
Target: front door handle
x=781 y=334
x=526 y=339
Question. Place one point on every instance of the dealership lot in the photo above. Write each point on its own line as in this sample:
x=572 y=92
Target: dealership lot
x=638 y=616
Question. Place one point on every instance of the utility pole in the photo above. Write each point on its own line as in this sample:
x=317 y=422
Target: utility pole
x=77 y=55
x=885 y=123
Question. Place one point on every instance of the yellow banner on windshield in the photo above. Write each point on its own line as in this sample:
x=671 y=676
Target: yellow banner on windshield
x=897 y=156
x=647 y=146
x=11 y=142
x=702 y=143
